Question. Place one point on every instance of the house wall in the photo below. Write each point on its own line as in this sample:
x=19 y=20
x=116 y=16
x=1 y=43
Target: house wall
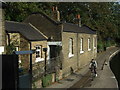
x=33 y=46
x=2 y=32
x=85 y=58
x=79 y=60
x=19 y=41
x=14 y=38
x=24 y=46
x=69 y=62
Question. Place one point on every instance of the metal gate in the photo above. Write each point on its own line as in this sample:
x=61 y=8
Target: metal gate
x=25 y=80
x=11 y=77
x=9 y=72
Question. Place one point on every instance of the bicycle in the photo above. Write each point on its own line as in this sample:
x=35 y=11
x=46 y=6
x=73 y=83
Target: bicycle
x=93 y=74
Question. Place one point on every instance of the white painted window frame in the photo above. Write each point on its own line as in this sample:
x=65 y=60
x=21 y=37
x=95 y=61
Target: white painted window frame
x=94 y=43
x=89 y=49
x=39 y=59
x=1 y=49
x=70 y=48
x=81 y=46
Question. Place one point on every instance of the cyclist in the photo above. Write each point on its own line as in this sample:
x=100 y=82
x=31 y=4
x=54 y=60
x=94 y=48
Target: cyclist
x=93 y=66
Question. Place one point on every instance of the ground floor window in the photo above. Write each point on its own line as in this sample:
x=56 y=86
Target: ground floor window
x=39 y=53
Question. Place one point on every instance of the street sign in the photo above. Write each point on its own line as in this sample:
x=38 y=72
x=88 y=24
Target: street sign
x=25 y=52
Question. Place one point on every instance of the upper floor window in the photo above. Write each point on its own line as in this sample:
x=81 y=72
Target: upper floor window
x=89 y=48
x=81 y=45
x=71 y=47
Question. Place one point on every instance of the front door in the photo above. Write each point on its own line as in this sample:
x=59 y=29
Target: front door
x=53 y=51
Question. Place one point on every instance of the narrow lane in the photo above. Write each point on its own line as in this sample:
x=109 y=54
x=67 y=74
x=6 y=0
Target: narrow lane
x=105 y=76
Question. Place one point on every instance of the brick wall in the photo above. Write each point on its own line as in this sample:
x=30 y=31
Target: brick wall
x=2 y=31
x=69 y=62
x=24 y=46
x=43 y=44
x=79 y=60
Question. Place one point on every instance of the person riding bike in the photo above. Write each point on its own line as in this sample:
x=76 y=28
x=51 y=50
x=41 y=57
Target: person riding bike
x=93 y=67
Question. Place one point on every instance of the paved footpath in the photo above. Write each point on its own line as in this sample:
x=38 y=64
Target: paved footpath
x=81 y=78
x=106 y=78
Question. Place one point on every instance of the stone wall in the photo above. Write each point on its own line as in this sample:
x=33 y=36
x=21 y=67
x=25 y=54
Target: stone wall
x=24 y=46
x=2 y=32
x=34 y=44
x=79 y=60
x=14 y=38
x=85 y=58
x=69 y=62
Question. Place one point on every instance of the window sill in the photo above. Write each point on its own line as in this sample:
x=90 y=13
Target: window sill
x=70 y=55
x=39 y=59
x=89 y=49
x=81 y=52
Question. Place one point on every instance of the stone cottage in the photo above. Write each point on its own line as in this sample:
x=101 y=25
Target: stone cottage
x=78 y=43
x=26 y=37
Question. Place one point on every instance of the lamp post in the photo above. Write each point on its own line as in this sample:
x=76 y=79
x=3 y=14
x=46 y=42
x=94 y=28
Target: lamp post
x=45 y=50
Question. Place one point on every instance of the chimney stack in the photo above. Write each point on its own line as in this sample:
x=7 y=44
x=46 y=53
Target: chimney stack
x=78 y=20
x=53 y=8
x=55 y=14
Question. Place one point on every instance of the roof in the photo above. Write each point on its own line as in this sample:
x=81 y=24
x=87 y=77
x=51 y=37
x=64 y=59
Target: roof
x=69 y=27
x=46 y=25
x=26 y=30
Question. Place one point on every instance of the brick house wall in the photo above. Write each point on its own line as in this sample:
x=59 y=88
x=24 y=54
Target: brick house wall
x=2 y=32
x=69 y=62
x=41 y=43
x=85 y=58
x=79 y=60
x=24 y=45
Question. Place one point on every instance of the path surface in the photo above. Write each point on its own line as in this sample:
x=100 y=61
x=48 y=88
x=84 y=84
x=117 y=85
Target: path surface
x=81 y=79
x=106 y=78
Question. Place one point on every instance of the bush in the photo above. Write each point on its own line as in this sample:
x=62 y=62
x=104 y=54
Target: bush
x=100 y=46
x=108 y=44
x=47 y=80
x=10 y=49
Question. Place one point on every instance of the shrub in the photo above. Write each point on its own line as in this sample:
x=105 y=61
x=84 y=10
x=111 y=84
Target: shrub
x=100 y=46
x=10 y=49
x=47 y=80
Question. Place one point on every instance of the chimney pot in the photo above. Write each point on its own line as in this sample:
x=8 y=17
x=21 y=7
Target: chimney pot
x=78 y=16
x=56 y=8
x=53 y=8
x=78 y=20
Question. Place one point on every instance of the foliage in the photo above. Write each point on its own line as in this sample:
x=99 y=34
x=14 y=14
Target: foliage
x=47 y=80
x=103 y=17
x=100 y=46
x=10 y=49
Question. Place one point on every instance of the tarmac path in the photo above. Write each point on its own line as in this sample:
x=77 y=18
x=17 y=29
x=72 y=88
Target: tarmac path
x=82 y=79
x=105 y=78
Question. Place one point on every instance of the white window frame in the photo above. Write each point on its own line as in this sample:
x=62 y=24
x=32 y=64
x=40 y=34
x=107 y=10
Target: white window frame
x=17 y=48
x=89 y=42
x=81 y=45
x=1 y=49
x=70 y=48
x=39 y=49
x=94 y=43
